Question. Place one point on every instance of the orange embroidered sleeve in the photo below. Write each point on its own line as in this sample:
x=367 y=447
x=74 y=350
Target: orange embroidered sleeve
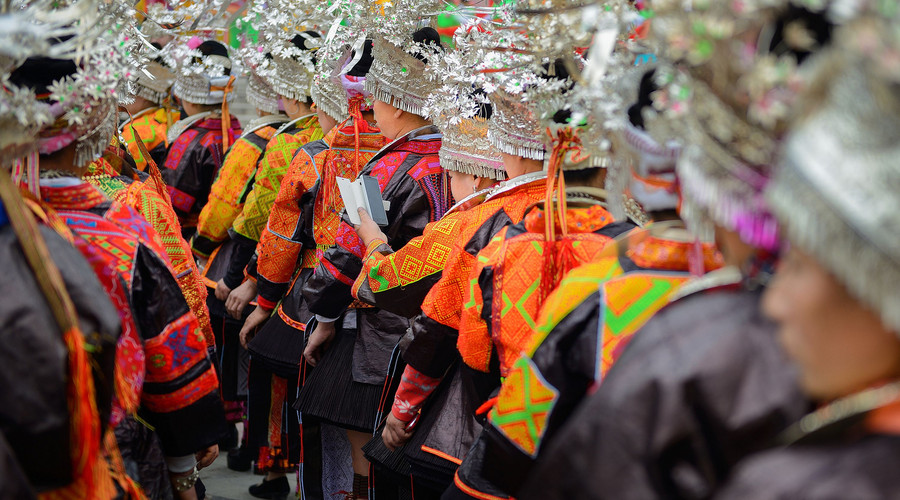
x=400 y=281
x=273 y=165
x=474 y=336
x=278 y=248
x=160 y=214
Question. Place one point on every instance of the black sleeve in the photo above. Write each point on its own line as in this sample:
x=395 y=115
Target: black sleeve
x=243 y=254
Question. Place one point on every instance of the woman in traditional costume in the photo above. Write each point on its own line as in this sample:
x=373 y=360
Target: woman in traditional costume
x=704 y=382
x=515 y=134
x=148 y=115
x=302 y=222
x=835 y=294
x=163 y=367
x=585 y=323
x=198 y=142
x=399 y=281
x=408 y=172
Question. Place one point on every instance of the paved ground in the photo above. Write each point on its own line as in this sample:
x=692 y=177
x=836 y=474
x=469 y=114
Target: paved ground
x=223 y=483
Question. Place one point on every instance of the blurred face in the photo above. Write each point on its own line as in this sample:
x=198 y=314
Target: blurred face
x=461 y=185
x=840 y=345
x=387 y=118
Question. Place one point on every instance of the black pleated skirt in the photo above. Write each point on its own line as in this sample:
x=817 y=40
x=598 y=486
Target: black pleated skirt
x=330 y=394
x=279 y=346
x=431 y=472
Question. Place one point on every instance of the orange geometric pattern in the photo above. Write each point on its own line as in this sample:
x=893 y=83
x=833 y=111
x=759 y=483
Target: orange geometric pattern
x=523 y=406
x=226 y=199
x=524 y=269
x=445 y=301
x=577 y=285
x=273 y=165
x=144 y=199
x=278 y=247
x=626 y=302
x=423 y=256
x=151 y=127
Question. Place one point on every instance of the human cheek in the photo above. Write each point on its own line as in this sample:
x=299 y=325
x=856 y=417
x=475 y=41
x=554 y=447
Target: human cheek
x=777 y=301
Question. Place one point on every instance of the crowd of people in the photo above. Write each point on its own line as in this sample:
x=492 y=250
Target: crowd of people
x=627 y=249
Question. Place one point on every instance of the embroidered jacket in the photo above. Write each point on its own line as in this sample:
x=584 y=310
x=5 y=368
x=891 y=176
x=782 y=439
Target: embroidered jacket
x=231 y=187
x=179 y=394
x=514 y=274
x=701 y=386
x=148 y=200
x=299 y=220
x=430 y=346
x=151 y=126
x=192 y=163
x=251 y=221
x=399 y=281
x=582 y=328
x=38 y=438
x=410 y=177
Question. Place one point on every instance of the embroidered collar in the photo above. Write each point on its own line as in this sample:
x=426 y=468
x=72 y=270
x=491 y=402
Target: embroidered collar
x=263 y=121
x=515 y=182
x=180 y=126
x=417 y=134
x=878 y=407
x=578 y=220
x=296 y=121
x=70 y=193
x=425 y=133
x=343 y=137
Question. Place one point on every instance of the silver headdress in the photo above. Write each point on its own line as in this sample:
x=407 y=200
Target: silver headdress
x=397 y=76
x=328 y=94
x=261 y=95
x=200 y=79
x=514 y=128
x=78 y=106
x=459 y=113
x=327 y=91
x=728 y=101
x=837 y=191
x=345 y=35
x=292 y=70
x=465 y=148
x=153 y=82
x=287 y=67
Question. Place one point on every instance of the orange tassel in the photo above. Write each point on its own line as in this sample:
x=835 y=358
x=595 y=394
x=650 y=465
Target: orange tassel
x=226 y=114
x=558 y=255
x=90 y=477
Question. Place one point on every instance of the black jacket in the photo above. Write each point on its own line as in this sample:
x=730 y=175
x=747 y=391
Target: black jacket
x=701 y=386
